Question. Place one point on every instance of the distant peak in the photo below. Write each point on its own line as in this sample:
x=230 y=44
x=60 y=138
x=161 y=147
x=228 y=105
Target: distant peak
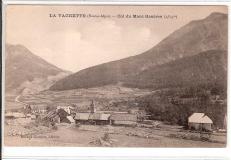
x=215 y=15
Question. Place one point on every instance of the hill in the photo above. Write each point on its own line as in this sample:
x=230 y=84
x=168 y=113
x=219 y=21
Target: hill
x=23 y=67
x=206 y=68
x=197 y=36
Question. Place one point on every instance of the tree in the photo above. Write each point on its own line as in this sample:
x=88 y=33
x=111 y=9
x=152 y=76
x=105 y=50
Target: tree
x=215 y=91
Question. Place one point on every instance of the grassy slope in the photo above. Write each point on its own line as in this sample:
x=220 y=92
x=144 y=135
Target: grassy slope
x=22 y=65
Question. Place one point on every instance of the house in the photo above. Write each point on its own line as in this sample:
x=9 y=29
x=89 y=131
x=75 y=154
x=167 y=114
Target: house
x=124 y=119
x=200 y=121
x=58 y=116
x=100 y=118
x=52 y=116
x=38 y=109
x=67 y=119
x=65 y=108
x=27 y=109
x=82 y=118
x=70 y=119
x=56 y=119
x=63 y=115
x=92 y=118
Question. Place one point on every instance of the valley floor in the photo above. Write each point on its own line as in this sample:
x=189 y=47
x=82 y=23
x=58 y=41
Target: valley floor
x=24 y=132
x=119 y=136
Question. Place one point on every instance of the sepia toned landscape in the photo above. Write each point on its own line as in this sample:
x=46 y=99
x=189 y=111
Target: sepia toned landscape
x=124 y=89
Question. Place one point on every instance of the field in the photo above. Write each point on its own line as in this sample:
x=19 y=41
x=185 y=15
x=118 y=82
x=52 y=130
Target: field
x=26 y=132
x=119 y=136
x=103 y=97
x=11 y=103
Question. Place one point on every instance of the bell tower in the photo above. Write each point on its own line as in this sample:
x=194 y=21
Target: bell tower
x=92 y=107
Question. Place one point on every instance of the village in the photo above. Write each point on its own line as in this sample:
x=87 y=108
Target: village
x=135 y=122
x=68 y=114
x=108 y=116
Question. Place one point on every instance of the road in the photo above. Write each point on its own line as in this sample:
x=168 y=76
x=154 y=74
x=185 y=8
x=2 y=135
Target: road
x=18 y=101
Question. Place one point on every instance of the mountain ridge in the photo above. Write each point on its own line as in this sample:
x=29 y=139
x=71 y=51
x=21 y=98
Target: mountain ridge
x=205 y=68
x=193 y=38
x=24 y=66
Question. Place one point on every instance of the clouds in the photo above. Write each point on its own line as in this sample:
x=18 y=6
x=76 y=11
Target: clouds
x=82 y=46
x=108 y=41
x=93 y=44
x=75 y=44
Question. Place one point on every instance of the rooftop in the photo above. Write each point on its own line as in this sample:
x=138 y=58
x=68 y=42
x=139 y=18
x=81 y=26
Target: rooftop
x=123 y=117
x=199 y=118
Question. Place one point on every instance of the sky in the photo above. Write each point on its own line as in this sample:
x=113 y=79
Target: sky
x=73 y=43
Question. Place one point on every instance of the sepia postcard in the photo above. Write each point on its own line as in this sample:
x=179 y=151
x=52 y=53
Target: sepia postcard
x=115 y=76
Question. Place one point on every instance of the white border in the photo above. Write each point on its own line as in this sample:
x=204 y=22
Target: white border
x=121 y=2
x=114 y=153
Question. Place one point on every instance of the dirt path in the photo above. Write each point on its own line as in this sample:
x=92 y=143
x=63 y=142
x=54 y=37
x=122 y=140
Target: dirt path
x=18 y=101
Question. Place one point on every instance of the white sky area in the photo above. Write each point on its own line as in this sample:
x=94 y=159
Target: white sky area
x=74 y=44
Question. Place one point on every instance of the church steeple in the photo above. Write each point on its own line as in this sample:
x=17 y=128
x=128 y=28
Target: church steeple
x=92 y=107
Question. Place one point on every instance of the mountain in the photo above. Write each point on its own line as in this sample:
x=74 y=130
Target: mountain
x=210 y=33
x=23 y=68
x=206 y=68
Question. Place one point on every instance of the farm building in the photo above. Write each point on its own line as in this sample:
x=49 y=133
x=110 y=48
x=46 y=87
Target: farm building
x=92 y=118
x=100 y=118
x=69 y=119
x=38 y=109
x=27 y=109
x=200 y=121
x=52 y=116
x=82 y=118
x=58 y=116
x=124 y=119
x=64 y=116
x=68 y=109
